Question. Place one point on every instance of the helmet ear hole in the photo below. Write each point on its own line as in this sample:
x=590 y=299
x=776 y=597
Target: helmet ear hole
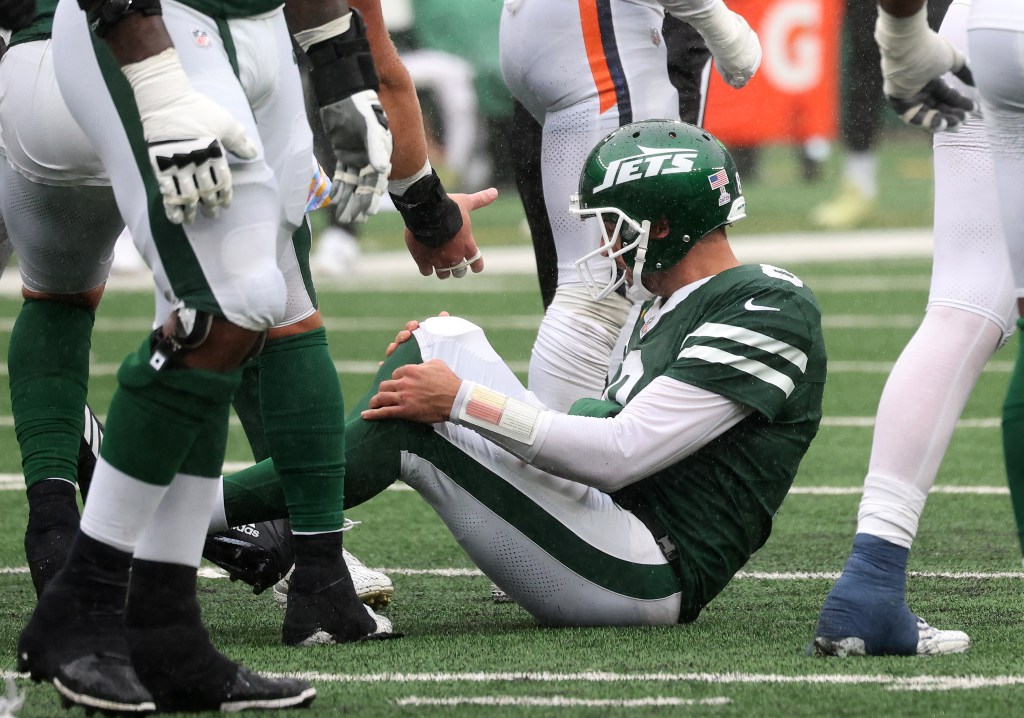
x=660 y=228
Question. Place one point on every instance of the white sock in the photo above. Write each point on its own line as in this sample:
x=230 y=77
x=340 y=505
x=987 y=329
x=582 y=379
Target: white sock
x=219 y=517
x=177 y=531
x=920 y=405
x=861 y=170
x=926 y=393
x=119 y=507
x=890 y=509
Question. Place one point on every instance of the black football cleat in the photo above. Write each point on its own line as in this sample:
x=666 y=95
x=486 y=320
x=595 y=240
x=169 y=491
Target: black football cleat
x=332 y=614
x=257 y=554
x=103 y=682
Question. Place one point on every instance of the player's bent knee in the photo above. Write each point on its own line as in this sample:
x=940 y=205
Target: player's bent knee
x=450 y=327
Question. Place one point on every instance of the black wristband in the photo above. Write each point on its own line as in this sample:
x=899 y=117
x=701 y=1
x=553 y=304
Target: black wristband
x=429 y=213
x=103 y=15
x=342 y=65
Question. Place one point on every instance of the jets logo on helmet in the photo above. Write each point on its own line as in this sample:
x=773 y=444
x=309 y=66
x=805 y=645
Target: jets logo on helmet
x=651 y=163
x=659 y=172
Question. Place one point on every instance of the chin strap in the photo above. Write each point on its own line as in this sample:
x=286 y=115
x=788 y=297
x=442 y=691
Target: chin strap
x=636 y=291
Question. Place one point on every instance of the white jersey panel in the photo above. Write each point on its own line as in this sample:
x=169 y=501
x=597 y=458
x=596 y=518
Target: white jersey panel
x=239 y=253
x=40 y=137
x=997 y=61
x=971 y=267
x=580 y=96
x=997 y=15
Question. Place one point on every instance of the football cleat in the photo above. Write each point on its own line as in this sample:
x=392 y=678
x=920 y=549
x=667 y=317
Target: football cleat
x=324 y=609
x=184 y=672
x=247 y=691
x=930 y=642
x=383 y=630
x=934 y=642
x=374 y=588
x=103 y=682
x=498 y=595
x=847 y=210
x=257 y=554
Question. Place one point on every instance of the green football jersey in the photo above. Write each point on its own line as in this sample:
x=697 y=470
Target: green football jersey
x=752 y=334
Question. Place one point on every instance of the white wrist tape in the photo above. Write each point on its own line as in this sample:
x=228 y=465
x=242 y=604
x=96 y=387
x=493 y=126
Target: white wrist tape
x=398 y=187
x=912 y=53
x=493 y=411
x=156 y=79
x=338 y=26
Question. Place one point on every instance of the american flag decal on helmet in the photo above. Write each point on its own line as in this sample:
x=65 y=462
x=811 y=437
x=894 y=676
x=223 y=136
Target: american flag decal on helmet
x=718 y=179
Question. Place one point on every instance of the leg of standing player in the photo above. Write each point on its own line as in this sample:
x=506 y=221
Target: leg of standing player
x=53 y=189
x=603 y=71
x=155 y=484
x=967 y=318
x=997 y=33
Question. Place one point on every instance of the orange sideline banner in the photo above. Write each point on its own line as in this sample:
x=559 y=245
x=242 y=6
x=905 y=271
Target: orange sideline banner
x=795 y=94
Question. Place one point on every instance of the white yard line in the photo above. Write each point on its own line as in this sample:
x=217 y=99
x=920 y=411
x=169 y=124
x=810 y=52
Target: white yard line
x=561 y=702
x=890 y=682
x=396 y=271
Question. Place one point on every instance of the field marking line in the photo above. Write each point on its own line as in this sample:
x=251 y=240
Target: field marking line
x=395 y=268
x=561 y=702
x=490 y=322
x=212 y=572
x=889 y=682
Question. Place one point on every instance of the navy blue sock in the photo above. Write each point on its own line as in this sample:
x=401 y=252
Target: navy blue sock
x=869 y=600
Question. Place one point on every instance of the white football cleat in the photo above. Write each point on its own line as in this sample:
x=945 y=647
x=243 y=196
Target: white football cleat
x=374 y=588
x=930 y=642
x=498 y=595
x=933 y=642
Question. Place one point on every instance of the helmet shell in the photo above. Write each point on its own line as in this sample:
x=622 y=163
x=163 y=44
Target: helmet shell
x=664 y=169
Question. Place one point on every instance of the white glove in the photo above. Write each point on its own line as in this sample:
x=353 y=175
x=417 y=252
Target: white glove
x=358 y=130
x=914 y=57
x=187 y=134
x=732 y=42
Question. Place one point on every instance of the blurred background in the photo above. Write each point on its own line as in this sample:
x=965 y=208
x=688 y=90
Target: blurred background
x=818 y=148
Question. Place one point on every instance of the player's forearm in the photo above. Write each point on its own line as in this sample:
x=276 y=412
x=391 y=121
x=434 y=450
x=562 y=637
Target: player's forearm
x=397 y=94
x=666 y=422
x=137 y=37
x=306 y=14
x=901 y=8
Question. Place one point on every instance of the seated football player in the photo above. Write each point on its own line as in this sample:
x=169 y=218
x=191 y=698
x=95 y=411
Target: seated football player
x=639 y=507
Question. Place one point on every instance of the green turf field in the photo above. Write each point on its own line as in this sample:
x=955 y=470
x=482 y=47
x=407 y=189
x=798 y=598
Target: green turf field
x=463 y=655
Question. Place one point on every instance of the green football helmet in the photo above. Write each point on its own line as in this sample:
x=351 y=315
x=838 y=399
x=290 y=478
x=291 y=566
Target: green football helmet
x=645 y=172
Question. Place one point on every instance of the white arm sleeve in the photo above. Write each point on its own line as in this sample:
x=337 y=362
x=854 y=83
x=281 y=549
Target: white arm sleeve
x=666 y=422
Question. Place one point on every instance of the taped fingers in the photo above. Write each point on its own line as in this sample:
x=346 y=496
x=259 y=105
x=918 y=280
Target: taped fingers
x=459 y=270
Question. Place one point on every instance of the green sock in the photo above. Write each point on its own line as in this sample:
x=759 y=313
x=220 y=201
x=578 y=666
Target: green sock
x=303 y=421
x=158 y=419
x=372 y=448
x=48 y=365
x=1013 y=437
x=247 y=407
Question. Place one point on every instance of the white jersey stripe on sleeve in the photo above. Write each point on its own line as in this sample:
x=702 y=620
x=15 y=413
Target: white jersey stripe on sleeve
x=750 y=366
x=753 y=339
